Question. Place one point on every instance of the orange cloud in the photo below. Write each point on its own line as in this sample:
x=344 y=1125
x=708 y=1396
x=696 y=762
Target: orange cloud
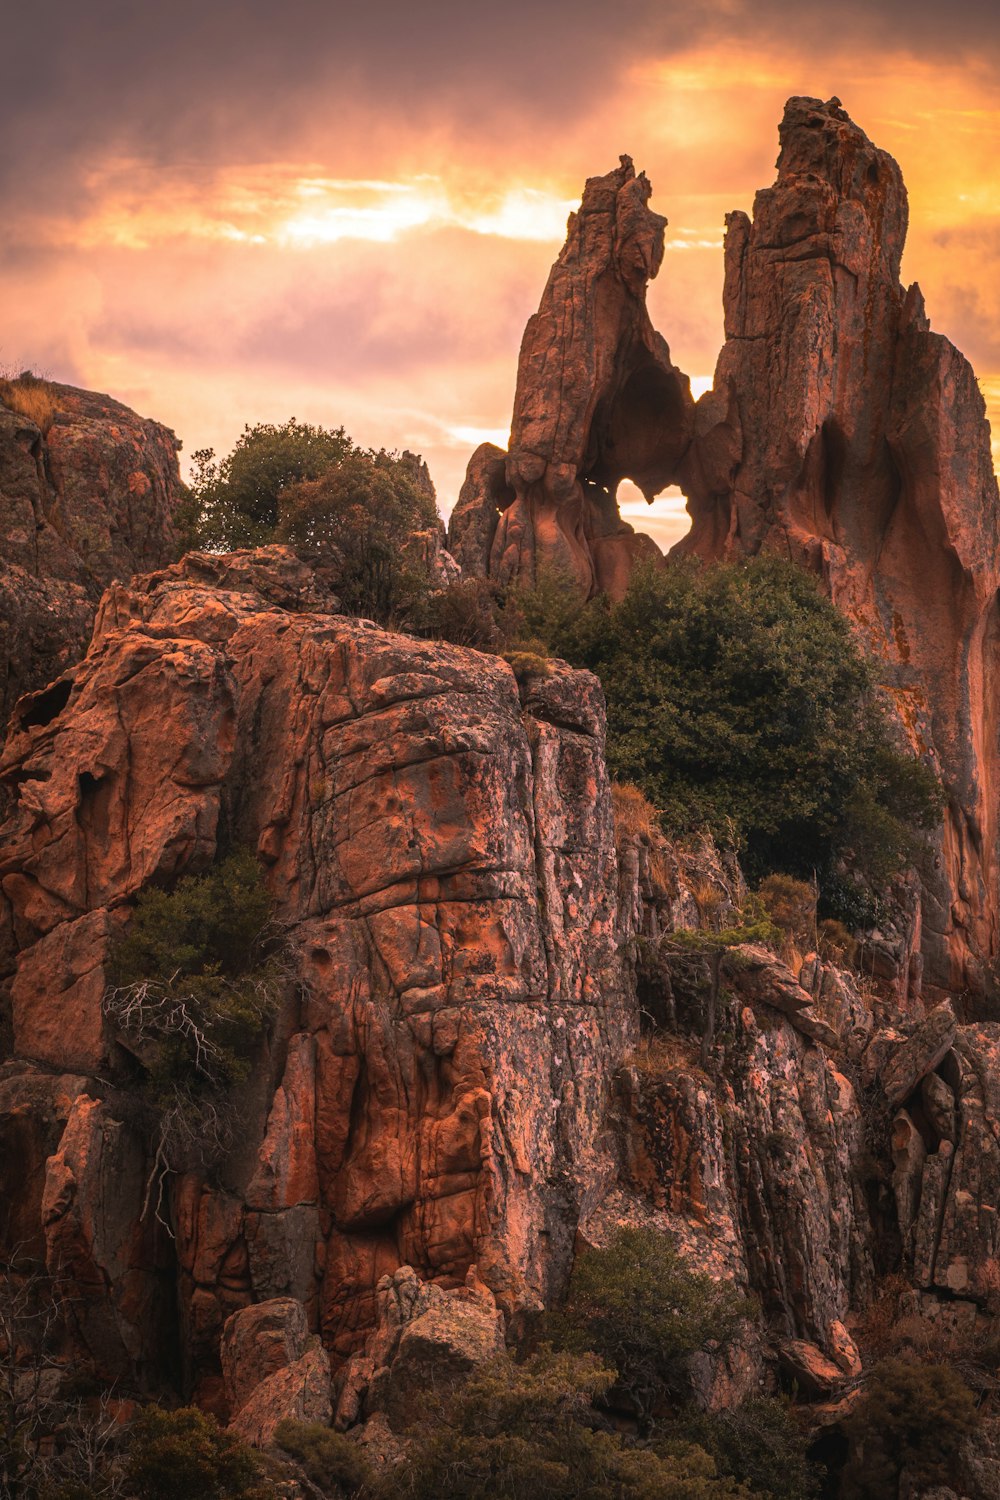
x=377 y=271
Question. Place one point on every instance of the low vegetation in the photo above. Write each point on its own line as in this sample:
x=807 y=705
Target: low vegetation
x=30 y=396
x=739 y=702
x=640 y=1308
x=194 y=983
x=911 y=1420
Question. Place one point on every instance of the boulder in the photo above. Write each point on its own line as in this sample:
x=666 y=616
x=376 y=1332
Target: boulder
x=88 y=494
x=911 y=1061
x=299 y=1392
x=257 y=1341
x=425 y=1340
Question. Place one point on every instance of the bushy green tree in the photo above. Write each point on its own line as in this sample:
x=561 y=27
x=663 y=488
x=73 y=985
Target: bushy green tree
x=912 y=1420
x=642 y=1309
x=758 y=1443
x=739 y=701
x=520 y=1431
x=236 y=500
x=362 y=515
x=182 y=1454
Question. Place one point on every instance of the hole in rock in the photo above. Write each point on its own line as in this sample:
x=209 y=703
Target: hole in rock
x=641 y=432
x=47 y=705
x=666 y=520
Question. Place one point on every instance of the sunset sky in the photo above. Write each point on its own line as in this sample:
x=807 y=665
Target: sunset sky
x=224 y=213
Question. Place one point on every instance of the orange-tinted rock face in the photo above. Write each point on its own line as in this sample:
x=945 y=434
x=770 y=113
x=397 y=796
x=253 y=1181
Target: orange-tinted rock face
x=597 y=401
x=91 y=500
x=855 y=442
x=442 y=853
x=841 y=432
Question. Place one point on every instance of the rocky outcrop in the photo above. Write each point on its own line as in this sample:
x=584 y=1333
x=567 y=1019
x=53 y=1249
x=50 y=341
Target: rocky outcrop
x=846 y=435
x=424 y=1340
x=597 y=401
x=88 y=494
x=840 y=432
x=441 y=853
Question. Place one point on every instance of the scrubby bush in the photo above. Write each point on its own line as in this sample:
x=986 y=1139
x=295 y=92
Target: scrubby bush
x=791 y=906
x=634 y=814
x=739 y=701
x=330 y=1460
x=198 y=974
x=641 y=1308
x=757 y=1443
x=236 y=500
x=520 y=1431
x=193 y=986
x=912 y=1419
x=181 y=1454
x=462 y=613
x=363 y=514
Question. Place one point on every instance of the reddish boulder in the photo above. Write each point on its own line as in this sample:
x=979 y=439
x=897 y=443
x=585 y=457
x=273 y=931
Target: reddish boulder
x=88 y=496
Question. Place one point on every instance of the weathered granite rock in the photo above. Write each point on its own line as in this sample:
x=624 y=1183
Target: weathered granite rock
x=864 y=454
x=259 y=1340
x=103 y=1253
x=911 y=1061
x=597 y=401
x=90 y=499
x=442 y=853
x=808 y=1366
x=299 y=1392
x=425 y=1339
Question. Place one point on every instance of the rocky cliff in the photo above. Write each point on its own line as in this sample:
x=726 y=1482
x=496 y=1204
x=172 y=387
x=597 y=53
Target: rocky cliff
x=840 y=432
x=88 y=494
x=441 y=852
x=493 y=1043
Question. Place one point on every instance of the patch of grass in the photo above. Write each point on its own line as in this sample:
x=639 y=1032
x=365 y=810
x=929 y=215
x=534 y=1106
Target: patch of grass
x=31 y=397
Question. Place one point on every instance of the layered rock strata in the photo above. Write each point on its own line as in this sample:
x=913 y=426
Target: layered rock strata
x=88 y=496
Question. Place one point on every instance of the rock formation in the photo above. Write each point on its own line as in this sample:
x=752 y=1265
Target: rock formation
x=840 y=432
x=441 y=852
x=597 y=401
x=88 y=494
x=455 y=1097
x=846 y=435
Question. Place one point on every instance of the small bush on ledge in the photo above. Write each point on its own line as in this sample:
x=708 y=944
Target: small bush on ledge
x=194 y=985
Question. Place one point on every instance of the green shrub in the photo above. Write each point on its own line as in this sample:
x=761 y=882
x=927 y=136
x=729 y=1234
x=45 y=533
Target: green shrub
x=462 y=613
x=236 y=501
x=638 y=1305
x=363 y=513
x=739 y=701
x=198 y=975
x=330 y=1460
x=517 y=1432
x=757 y=1443
x=181 y=1454
x=912 y=1418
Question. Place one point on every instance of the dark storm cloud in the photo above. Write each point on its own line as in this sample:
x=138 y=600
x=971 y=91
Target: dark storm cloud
x=225 y=80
